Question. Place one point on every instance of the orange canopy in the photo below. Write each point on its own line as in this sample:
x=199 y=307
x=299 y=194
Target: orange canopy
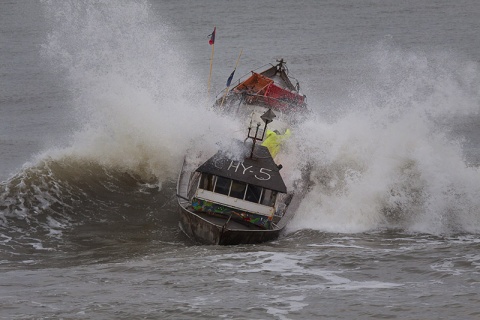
x=256 y=84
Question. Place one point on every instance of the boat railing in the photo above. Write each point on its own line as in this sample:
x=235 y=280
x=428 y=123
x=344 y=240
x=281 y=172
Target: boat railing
x=284 y=105
x=248 y=74
x=258 y=70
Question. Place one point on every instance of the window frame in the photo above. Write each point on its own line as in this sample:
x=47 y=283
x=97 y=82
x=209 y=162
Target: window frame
x=261 y=198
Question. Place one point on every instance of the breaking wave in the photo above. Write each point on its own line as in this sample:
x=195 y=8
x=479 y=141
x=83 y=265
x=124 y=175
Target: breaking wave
x=386 y=160
x=135 y=94
x=392 y=158
x=138 y=107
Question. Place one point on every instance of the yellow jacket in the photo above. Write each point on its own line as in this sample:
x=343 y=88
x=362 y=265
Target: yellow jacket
x=274 y=141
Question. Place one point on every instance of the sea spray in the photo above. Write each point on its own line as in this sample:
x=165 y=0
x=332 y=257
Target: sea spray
x=391 y=161
x=138 y=106
x=132 y=87
x=387 y=160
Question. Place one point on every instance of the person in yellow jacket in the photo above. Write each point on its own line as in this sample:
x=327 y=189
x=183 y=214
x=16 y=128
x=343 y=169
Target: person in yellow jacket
x=274 y=141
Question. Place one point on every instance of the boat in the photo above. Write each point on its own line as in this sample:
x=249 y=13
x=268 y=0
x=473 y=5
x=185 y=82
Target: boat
x=235 y=197
x=257 y=92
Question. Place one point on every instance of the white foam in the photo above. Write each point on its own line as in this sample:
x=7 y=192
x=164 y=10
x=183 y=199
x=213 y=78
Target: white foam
x=292 y=265
x=285 y=305
x=135 y=93
x=389 y=161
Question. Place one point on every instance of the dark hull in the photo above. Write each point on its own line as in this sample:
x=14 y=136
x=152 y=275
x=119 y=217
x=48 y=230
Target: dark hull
x=213 y=230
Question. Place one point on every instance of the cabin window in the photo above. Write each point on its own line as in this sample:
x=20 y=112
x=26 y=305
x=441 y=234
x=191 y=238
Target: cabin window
x=223 y=185
x=253 y=193
x=207 y=182
x=238 y=189
x=268 y=197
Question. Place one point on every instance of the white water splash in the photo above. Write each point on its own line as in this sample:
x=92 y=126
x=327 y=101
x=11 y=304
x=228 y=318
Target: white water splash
x=390 y=161
x=387 y=161
x=134 y=91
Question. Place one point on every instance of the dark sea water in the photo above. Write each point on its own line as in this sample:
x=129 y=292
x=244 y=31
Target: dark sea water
x=100 y=100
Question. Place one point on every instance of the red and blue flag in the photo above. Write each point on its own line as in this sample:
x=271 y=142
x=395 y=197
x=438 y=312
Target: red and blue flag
x=212 y=36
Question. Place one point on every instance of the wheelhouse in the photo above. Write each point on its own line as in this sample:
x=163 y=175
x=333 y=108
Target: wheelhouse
x=249 y=189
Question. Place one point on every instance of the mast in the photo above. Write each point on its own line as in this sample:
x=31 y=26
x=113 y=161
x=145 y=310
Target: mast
x=267 y=117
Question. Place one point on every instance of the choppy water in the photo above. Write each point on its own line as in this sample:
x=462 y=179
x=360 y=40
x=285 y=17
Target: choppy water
x=99 y=101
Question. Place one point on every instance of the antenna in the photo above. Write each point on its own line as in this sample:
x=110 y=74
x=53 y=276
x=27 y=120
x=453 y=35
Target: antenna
x=267 y=117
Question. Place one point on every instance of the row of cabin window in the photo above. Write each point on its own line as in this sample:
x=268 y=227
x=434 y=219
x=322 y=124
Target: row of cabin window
x=237 y=189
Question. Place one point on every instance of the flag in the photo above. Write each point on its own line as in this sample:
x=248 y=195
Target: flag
x=212 y=36
x=229 y=81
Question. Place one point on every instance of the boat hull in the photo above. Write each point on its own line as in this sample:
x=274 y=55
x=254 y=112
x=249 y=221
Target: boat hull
x=219 y=231
x=271 y=89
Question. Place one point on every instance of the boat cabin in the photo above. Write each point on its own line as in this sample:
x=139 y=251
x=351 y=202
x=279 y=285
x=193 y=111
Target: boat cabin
x=245 y=190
